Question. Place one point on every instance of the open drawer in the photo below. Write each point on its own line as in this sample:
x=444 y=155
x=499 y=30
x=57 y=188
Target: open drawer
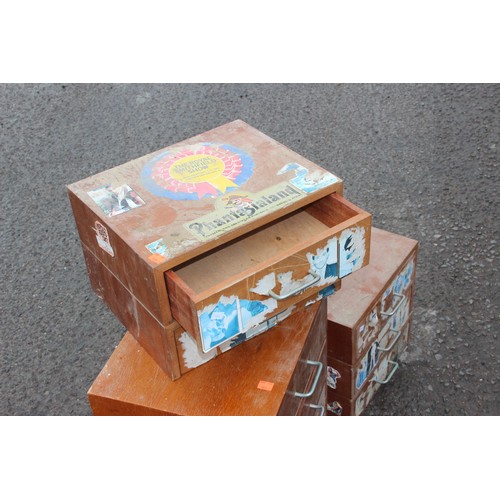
x=236 y=286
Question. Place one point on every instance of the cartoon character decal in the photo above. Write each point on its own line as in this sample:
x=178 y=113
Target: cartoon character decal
x=308 y=182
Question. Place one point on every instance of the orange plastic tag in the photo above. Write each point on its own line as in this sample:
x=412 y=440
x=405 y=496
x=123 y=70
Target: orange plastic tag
x=265 y=386
x=157 y=258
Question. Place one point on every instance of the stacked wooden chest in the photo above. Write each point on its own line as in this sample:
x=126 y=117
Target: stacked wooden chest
x=203 y=246
x=369 y=324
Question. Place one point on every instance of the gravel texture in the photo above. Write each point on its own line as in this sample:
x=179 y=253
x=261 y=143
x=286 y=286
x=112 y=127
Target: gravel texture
x=423 y=159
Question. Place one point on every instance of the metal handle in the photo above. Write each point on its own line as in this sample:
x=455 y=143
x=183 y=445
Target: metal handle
x=316 y=277
x=319 y=364
x=397 y=306
x=396 y=366
x=318 y=407
x=392 y=343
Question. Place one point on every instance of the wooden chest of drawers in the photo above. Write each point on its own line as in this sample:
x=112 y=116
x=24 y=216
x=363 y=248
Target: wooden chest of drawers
x=215 y=235
x=369 y=323
x=283 y=373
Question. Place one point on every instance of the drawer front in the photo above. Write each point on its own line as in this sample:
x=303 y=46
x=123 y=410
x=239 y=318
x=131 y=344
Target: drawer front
x=299 y=256
x=348 y=380
x=191 y=356
x=382 y=374
x=391 y=310
x=309 y=376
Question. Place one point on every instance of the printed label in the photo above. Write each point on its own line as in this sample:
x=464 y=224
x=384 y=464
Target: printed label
x=114 y=201
x=239 y=208
x=197 y=171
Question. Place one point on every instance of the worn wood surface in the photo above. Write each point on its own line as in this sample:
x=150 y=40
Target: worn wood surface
x=388 y=252
x=131 y=383
x=156 y=338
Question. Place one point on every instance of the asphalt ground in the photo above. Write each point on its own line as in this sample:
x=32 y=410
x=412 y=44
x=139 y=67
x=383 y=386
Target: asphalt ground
x=423 y=159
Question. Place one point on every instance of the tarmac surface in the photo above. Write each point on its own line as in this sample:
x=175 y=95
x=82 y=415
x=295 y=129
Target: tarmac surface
x=423 y=159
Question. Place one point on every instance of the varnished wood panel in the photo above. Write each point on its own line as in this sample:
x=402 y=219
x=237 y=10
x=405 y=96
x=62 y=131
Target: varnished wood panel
x=314 y=350
x=131 y=383
x=156 y=339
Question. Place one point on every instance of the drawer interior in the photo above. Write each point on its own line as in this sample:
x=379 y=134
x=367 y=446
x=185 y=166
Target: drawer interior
x=256 y=249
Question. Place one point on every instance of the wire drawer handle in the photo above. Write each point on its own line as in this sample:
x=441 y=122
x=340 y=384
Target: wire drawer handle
x=318 y=407
x=396 y=366
x=319 y=364
x=393 y=312
x=316 y=277
x=385 y=349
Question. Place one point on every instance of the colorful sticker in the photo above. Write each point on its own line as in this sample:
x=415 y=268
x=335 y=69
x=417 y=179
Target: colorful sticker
x=352 y=250
x=197 y=171
x=230 y=317
x=309 y=182
x=237 y=209
x=335 y=408
x=103 y=238
x=114 y=201
x=324 y=261
x=368 y=364
x=158 y=247
x=332 y=375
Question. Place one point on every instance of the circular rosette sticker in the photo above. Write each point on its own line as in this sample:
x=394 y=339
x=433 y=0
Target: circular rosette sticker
x=197 y=171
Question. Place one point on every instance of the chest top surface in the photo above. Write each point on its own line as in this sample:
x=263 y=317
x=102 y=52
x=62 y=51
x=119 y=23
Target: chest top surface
x=388 y=251
x=185 y=199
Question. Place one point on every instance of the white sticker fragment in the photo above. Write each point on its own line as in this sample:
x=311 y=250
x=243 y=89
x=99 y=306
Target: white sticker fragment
x=191 y=354
x=103 y=238
x=266 y=283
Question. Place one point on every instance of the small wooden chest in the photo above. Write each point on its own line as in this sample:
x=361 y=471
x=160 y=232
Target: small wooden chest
x=369 y=323
x=279 y=374
x=218 y=234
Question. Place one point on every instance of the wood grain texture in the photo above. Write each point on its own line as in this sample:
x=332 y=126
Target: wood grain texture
x=157 y=339
x=126 y=265
x=131 y=383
